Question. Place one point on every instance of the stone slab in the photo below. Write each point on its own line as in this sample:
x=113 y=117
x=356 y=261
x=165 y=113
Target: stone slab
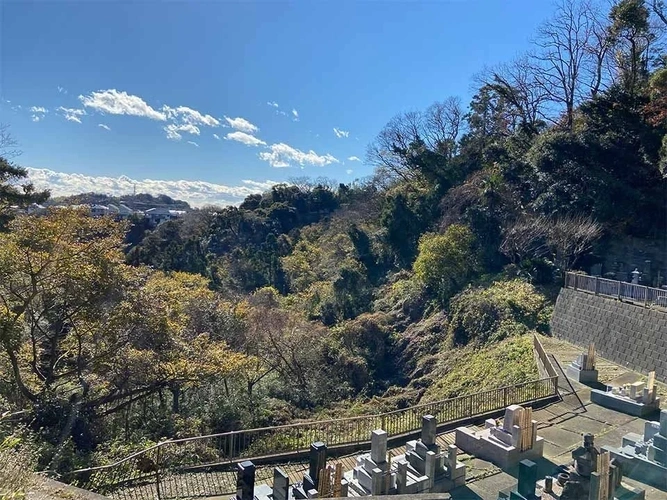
x=623 y=405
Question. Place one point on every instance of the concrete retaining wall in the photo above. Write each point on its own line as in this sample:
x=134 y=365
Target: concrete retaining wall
x=627 y=334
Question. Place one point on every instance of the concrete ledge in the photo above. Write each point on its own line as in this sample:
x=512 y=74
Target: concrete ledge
x=607 y=400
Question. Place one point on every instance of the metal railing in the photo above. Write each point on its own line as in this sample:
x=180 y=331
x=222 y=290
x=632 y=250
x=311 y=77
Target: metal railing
x=638 y=294
x=188 y=467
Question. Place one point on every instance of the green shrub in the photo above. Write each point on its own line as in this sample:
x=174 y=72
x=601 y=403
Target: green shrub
x=504 y=309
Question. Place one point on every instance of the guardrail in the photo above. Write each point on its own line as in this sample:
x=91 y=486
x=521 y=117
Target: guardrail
x=638 y=294
x=178 y=468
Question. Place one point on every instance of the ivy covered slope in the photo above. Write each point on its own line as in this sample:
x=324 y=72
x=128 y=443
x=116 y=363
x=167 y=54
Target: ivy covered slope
x=323 y=299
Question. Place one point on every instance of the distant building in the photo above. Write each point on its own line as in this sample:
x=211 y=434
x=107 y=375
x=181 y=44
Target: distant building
x=99 y=210
x=158 y=215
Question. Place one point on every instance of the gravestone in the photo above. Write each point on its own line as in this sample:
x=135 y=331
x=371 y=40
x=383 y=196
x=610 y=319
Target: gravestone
x=644 y=457
x=639 y=398
x=583 y=369
x=245 y=481
x=280 y=484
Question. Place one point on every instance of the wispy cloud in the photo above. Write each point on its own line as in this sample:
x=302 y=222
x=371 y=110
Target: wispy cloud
x=242 y=125
x=341 y=133
x=284 y=155
x=273 y=104
x=247 y=139
x=174 y=131
x=295 y=114
x=62 y=90
x=349 y=171
x=354 y=158
x=197 y=193
x=38 y=112
x=190 y=116
x=72 y=114
x=117 y=102
x=216 y=136
x=102 y=125
x=193 y=143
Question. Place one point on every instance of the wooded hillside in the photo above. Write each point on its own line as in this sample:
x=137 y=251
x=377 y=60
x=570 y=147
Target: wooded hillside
x=318 y=298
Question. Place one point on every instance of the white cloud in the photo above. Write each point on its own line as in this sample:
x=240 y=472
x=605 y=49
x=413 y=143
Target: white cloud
x=295 y=113
x=102 y=125
x=247 y=139
x=242 y=125
x=190 y=116
x=283 y=155
x=72 y=114
x=273 y=104
x=120 y=103
x=193 y=143
x=216 y=136
x=62 y=90
x=38 y=112
x=354 y=158
x=197 y=193
x=173 y=131
x=349 y=171
x=341 y=133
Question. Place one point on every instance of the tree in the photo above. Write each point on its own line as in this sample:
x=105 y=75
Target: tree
x=569 y=238
x=419 y=144
x=15 y=189
x=632 y=36
x=446 y=261
x=87 y=335
x=562 y=64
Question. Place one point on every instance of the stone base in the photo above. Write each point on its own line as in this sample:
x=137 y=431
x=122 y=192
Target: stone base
x=624 y=405
x=638 y=467
x=581 y=376
x=504 y=456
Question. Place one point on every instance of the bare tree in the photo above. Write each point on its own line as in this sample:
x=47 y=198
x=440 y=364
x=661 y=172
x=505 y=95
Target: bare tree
x=563 y=49
x=436 y=129
x=570 y=237
x=8 y=145
x=525 y=238
x=516 y=82
x=659 y=9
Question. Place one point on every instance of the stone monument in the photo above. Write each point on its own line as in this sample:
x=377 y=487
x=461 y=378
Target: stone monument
x=525 y=489
x=583 y=369
x=504 y=445
x=593 y=475
x=639 y=398
x=644 y=458
x=423 y=468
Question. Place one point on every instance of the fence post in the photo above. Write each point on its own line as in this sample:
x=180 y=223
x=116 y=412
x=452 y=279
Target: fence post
x=157 y=471
x=619 y=290
x=505 y=397
x=576 y=276
x=597 y=285
x=646 y=296
x=383 y=425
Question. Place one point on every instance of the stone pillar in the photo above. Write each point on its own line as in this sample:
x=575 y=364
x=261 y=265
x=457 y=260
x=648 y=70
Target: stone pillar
x=318 y=460
x=280 y=484
x=429 y=469
x=379 y=446
x=429 y=429
x=516 y=435
x=594 y=491
x=452 y=451
x=376 y=481
x=663 y=422
x=548 y=484
x=401 y=476
x=344 y=488
x=245 y=480
x=527 y=478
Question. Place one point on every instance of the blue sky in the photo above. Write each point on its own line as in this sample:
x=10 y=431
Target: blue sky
x=101 y=90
